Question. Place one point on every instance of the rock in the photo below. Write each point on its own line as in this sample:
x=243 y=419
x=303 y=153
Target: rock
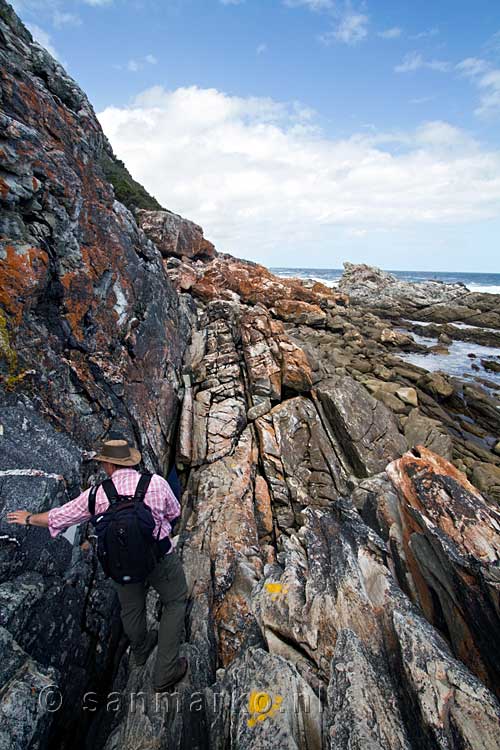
x=364 y=712
x=497 y=448
x=436 y=384
x=395 y=338
x=300 y=463
x=364 y=427
x=421 y=430
x=174 y=235
x=448 y=550
x=491 y=364
x=301 y=313
x=408 y=396
x=391 y=401
x=276 y=706
x=259 y=410
x=381 y=292
x=486 y=478
x=84 y=292
x=442 y=688
x=225 y=276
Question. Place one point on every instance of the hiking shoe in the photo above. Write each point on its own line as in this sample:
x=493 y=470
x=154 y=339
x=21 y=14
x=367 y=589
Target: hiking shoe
x=182 y=666
x=149 y=644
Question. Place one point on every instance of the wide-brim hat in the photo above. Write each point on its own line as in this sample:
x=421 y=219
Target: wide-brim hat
x=118 y=452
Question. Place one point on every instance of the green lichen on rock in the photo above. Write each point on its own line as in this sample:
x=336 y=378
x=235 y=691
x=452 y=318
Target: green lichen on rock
x=127 y=190
x=7 y=353
x=11 y=375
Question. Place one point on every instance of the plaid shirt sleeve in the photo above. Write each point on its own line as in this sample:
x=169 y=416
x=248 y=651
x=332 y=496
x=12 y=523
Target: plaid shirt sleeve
x=69 y=514
x=169 y=506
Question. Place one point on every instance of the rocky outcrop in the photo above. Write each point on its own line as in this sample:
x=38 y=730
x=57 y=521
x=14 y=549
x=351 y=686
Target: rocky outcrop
x=343 y=592
x=174 y=235
x=425 y=300
x=92 y=336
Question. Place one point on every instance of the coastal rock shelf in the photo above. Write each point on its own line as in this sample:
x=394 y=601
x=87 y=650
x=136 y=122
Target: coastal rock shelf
x=340 y=528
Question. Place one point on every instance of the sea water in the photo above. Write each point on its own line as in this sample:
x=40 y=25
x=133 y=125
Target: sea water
x=456 y=362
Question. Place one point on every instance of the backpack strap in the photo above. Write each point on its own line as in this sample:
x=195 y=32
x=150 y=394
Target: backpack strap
x=142 y=487
x=110 y=490
x=92 y=496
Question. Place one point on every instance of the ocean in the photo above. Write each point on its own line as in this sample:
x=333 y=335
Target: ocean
x=476 y=282
x=458 y=361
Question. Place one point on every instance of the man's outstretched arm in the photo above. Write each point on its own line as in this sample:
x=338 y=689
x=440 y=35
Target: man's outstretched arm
x=36 y=519
x=57 y=519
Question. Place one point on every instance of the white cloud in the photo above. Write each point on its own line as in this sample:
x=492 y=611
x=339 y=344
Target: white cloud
x=232 y=2
x=429 y=33
x=415 y=61
x=134 y=65
x=258 y=174
x=472 y=66
x=393 y=33
x=97 y=3
x=61 y=18
x=311 y=4
x=41 y=36
x=351 y=29
x=261 y=48
x=487 y=79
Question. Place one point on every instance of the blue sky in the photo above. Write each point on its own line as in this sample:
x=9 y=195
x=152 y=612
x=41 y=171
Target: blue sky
x=302 y=132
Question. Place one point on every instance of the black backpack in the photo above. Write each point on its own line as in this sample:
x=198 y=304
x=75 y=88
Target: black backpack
x=126 y=547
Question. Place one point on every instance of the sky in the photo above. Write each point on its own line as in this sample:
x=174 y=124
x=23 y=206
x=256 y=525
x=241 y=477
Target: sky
x=302 y=133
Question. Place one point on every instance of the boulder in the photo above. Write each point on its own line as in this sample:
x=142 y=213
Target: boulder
x=366 y=429
x=174 y=235
x=300 y=313
x=421 y=430
x=447 y=549
x=486 y=478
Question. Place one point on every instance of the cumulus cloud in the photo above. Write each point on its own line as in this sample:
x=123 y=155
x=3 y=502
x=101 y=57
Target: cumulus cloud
x=414 y=61
x=259 y=174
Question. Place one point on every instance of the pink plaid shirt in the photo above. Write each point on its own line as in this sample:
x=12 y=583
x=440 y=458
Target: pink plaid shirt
x=159 y=497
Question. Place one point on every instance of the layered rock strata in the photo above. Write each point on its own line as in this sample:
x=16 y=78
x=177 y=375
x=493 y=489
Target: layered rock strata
x=343 y=583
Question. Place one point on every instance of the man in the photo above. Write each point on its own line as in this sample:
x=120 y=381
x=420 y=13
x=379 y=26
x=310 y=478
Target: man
x=167 y=577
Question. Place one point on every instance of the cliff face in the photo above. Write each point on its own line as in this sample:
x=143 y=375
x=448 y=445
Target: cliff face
x=344 y=584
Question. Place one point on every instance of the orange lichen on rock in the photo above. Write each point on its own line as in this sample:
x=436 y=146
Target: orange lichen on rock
x=21 y=273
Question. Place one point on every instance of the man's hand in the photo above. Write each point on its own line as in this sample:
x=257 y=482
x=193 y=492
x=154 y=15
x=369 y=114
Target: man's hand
x=18 y=516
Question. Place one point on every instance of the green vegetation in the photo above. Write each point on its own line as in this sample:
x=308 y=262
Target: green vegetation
x=8 y=354
x=127 y=190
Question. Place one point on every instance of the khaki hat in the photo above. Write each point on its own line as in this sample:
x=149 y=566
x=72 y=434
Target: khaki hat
x=118 y=452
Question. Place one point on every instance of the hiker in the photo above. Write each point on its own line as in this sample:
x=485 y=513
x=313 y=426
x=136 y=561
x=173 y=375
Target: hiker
x=134 y=546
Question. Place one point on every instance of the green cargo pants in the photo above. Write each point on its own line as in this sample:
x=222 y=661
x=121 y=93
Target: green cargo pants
x=170 y=582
